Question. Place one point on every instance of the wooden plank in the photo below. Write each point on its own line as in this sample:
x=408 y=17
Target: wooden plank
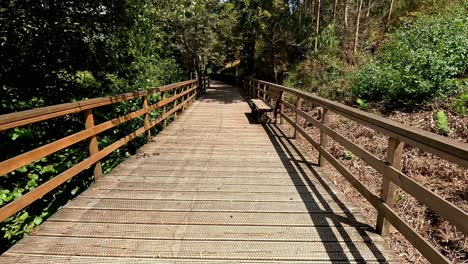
x=144 y=186
x=206 y=196
x=200 y=249
x=127 y=204
x=214 y=180
x=9 y=258
x=93 y=143
x=261 y=105
x=146 y=118
x=323 y=136
x=209 y=218
x=210 y=232
x=394 y=155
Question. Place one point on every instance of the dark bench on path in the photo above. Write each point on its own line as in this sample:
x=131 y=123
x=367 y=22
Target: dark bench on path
x=262 y=106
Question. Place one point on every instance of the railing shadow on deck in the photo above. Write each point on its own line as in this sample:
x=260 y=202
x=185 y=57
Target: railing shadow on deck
x=283 y=144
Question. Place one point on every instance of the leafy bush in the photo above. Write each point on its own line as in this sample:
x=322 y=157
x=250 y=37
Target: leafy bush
x=460 y=105
x=54 y=52
x=421 y=61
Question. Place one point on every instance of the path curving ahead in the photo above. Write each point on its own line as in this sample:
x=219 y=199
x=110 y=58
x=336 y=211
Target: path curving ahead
x=211 y=188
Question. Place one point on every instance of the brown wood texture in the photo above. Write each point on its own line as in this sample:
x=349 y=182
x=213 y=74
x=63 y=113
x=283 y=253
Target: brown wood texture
x=260 y=105
x=93 y=142
x=394 y=158
x=444 y=208
x=390 y=168
x=95 y=155
x=40 y=114
x=14 y=163
x=438 y=145
x=211 y=188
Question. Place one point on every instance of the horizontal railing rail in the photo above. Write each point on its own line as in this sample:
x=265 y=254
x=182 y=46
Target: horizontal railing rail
x=390 y=168
x=183 y=94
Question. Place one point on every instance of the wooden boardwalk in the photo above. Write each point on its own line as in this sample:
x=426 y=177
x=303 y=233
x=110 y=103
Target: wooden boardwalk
x=211 y=188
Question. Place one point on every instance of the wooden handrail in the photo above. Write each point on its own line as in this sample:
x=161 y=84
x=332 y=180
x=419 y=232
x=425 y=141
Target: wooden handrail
x=399 y=135
x=441 y=146
x=189 y=90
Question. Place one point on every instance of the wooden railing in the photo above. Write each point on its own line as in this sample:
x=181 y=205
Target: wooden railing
x=399 y=135
x=182 y=95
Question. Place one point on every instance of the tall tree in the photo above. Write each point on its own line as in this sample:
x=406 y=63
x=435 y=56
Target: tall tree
x=356 y=33
x=317 y=26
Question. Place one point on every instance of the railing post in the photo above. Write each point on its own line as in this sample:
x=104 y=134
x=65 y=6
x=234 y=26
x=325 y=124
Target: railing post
x=265 y=88
x=184 y=88
x=174 y=105
x=281 y=108
x=205 y=84
x=298 y=106
x=258 y=90
x=163 y=97
x=252 y=89
x=147 y=118
x=93 y=143
x=323 y=137
x=387 y=195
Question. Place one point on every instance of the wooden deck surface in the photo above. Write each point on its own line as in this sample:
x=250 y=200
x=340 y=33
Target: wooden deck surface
x=211 y=188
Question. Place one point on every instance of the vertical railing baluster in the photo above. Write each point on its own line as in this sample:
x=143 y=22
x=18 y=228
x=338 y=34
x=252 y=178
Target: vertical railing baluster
x=146 y=118
x=258 y=89
x=281 y=108
x=174 y=105
x=387 y=195
x=93 y=142
x=163 y=97
x=325 y=119
x=298 y=106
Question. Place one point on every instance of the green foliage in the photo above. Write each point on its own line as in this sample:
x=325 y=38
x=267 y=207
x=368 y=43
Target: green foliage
x=424 y=60
x=460 y=105
x=57 y=52
x=442 y=122
x=320 y=73
x=362 y=104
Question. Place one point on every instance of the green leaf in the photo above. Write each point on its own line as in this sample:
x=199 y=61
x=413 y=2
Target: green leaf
x=48 y=168
x=22 y=169
x=23 y=216
x=37 y=220
x=75 y=190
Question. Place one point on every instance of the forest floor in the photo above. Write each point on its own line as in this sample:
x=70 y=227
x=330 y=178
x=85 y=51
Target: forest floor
x=444 y=178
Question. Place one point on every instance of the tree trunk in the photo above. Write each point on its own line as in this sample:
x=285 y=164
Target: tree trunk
x=298 y=10
x=356 y=34
x=390 y=12
x=317 y=28
x=368 y=8
x=346 y=14
x=334 y=11
x=312 y=11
